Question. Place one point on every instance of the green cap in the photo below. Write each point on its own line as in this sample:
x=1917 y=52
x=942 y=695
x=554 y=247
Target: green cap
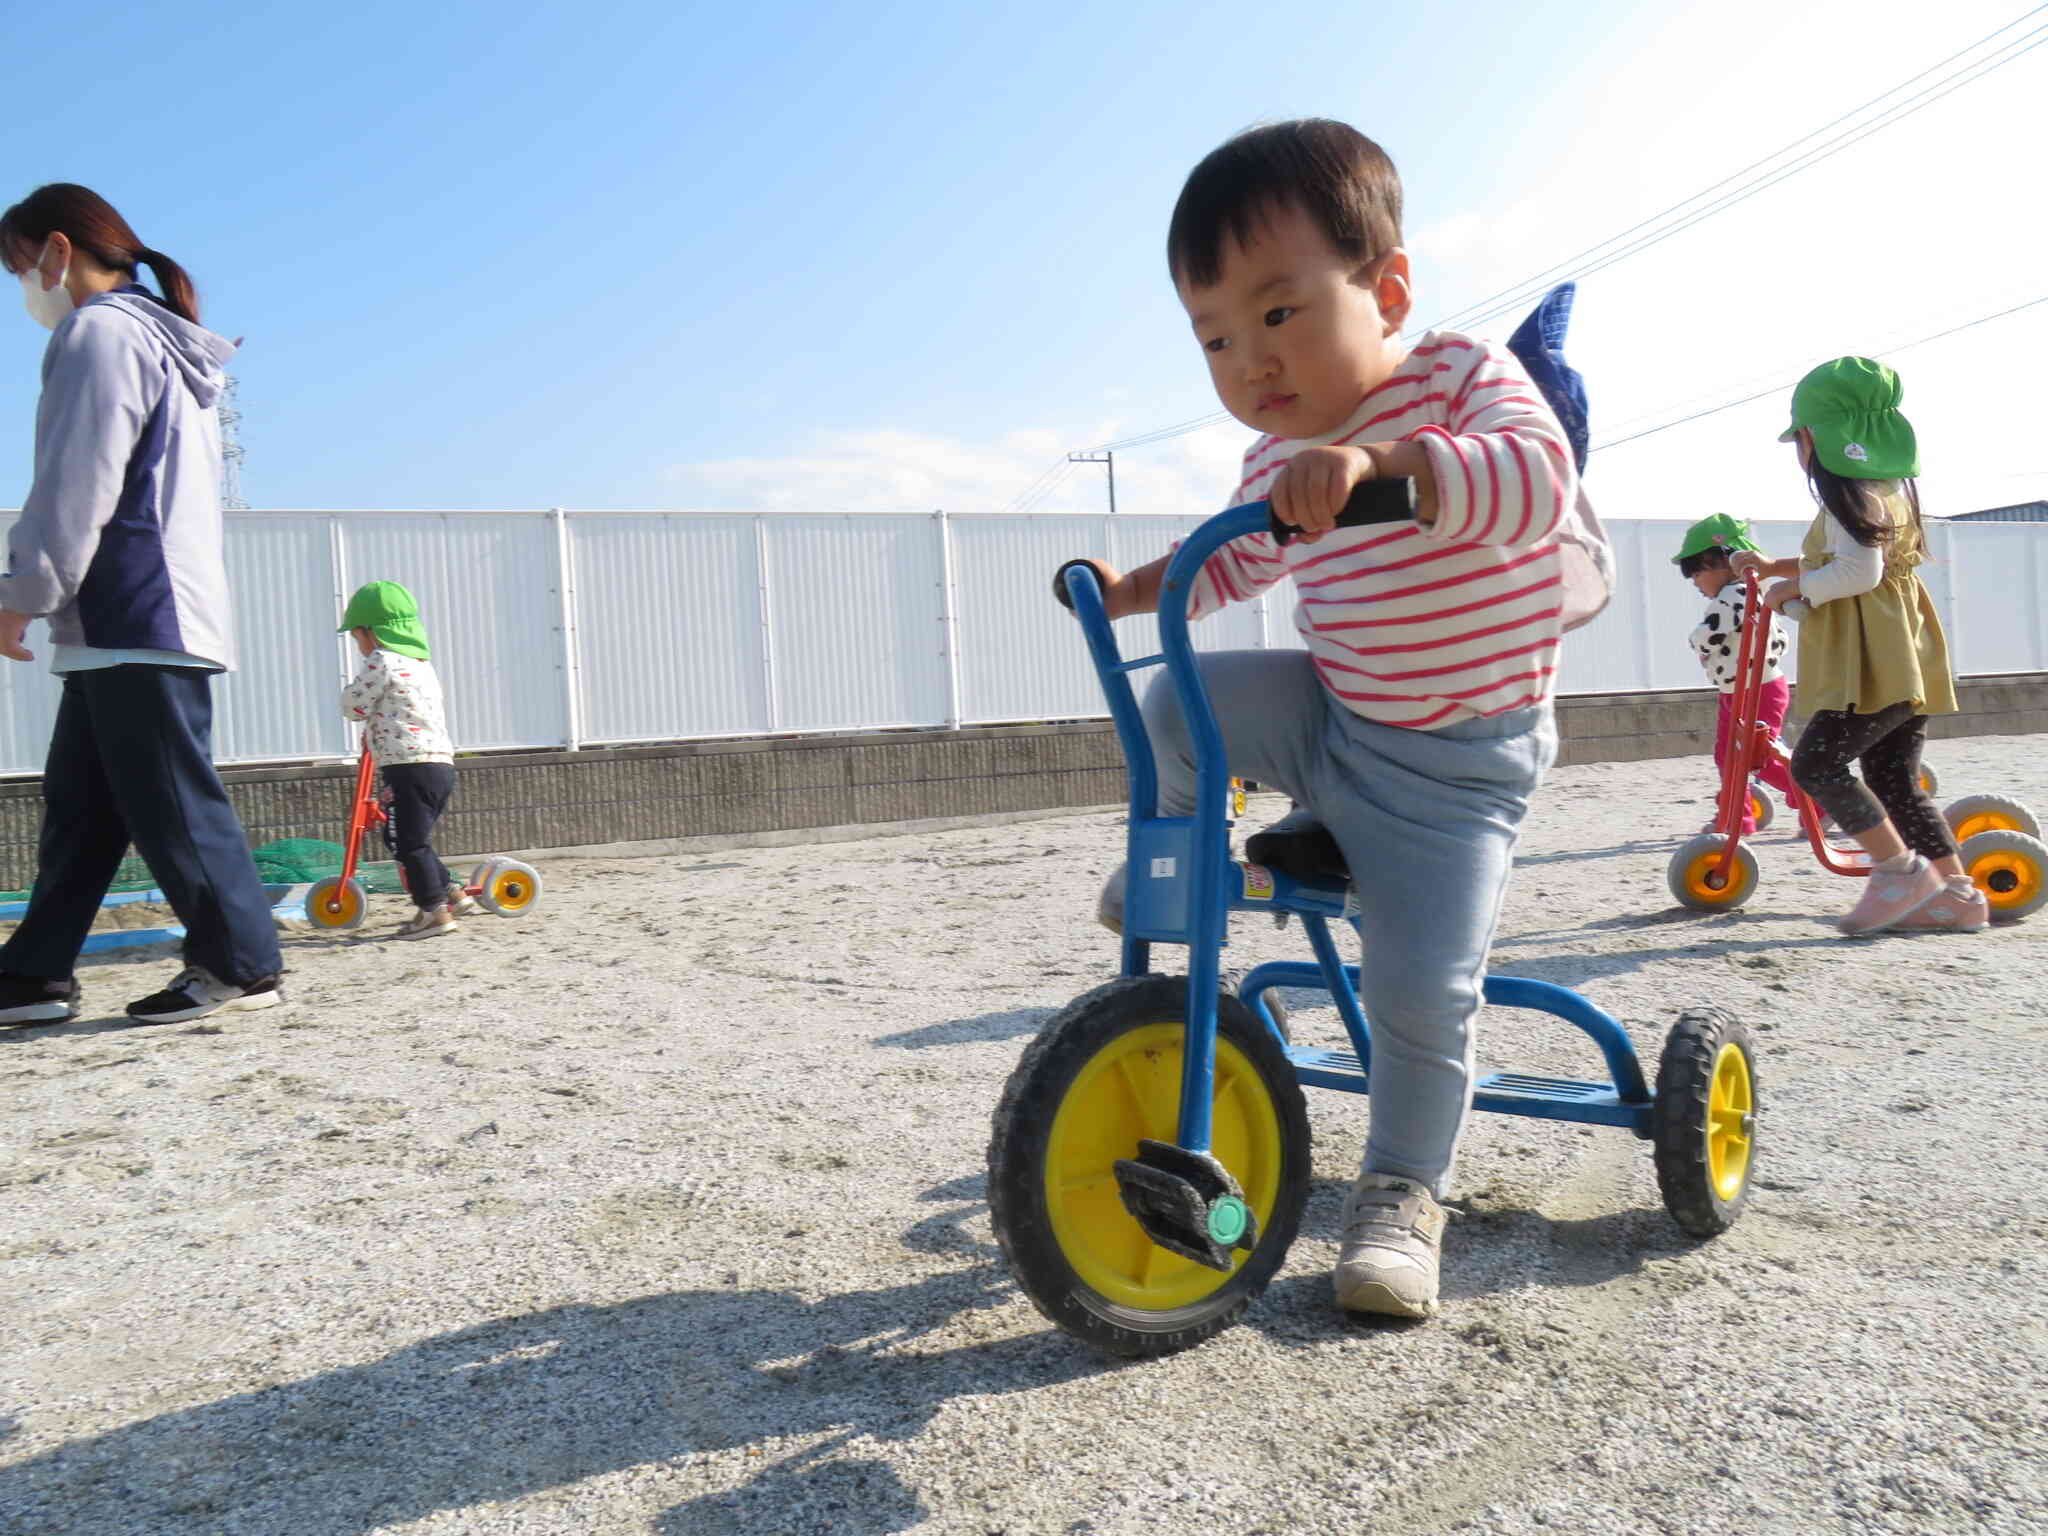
x=1720 y=532
x=1851 y=406
x=389 y=613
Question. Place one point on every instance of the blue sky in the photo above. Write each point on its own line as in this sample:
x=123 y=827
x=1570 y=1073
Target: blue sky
x=890 y=256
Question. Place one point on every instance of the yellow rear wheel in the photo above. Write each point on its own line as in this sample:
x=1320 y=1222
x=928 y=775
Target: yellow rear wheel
x=508 y=888
x=1704 y=1121
x=1988 y=813
x=2011 y=869
x=1103 y=1075
x=1697 y=880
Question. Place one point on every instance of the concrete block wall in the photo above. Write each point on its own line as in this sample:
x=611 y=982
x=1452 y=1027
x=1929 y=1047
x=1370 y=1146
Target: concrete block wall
x=762 y=787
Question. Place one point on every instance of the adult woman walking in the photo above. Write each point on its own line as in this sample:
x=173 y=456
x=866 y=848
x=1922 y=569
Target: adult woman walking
x=119 y=547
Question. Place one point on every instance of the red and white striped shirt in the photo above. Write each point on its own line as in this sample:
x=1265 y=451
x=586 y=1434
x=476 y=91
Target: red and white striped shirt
x=1426 y=624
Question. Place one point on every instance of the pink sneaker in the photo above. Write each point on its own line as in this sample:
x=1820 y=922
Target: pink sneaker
x=1889 y=895
x=1959 y=908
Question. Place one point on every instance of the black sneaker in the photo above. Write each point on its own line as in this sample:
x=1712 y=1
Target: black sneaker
x=1298 y=845
x=197 y=992
x=33 y=1000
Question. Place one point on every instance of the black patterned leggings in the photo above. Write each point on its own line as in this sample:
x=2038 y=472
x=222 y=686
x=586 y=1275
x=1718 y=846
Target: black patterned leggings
x=1888 y=744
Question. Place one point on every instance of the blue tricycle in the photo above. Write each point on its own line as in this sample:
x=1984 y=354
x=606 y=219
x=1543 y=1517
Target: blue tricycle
x=1150 y=1157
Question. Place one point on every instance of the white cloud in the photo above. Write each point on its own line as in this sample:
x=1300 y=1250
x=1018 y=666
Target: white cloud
x=888 y=469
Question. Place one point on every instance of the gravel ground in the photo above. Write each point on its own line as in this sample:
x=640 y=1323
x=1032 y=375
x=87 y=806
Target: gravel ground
x=662 y=1210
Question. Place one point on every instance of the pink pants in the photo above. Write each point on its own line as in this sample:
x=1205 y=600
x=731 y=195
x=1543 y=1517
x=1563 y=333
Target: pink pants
x=1771 y=704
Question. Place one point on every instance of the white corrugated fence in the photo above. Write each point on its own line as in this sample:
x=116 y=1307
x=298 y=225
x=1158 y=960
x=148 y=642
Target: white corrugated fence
x=556 y=628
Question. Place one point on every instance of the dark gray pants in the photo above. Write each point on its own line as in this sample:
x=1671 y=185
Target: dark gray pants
x=420 y=792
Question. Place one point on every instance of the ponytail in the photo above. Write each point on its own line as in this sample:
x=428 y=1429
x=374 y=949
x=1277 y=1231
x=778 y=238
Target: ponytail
x=176 y=283
x=90 y=223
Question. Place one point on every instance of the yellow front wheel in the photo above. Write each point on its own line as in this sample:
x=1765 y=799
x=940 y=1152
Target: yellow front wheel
x=1103 y=1075
x=336 y=904
x=1704 y=1121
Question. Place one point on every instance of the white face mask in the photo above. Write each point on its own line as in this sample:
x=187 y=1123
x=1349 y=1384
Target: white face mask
x=46 y=306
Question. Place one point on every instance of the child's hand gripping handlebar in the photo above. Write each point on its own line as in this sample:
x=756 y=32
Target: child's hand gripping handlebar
x=1371 y=501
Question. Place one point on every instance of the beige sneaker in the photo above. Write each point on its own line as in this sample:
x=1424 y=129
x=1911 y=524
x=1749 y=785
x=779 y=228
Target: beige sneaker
x=1109 y=906
x=1959 y=908
x=427 y=923
x=1393 y=1234
x=461 y=903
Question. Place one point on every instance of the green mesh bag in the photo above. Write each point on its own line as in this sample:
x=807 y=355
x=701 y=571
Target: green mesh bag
x=302 y=860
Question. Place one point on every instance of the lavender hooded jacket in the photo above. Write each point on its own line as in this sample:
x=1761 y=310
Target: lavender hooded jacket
x=119 y=543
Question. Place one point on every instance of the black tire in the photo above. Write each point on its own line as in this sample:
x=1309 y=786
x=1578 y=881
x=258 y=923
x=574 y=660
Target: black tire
x=1705 y=1182
x=1275 y=1174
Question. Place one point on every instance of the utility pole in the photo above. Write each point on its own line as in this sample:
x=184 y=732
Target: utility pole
x=1106 y=458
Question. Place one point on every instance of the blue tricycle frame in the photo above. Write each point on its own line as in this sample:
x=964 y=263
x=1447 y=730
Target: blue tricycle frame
x=1182 y=886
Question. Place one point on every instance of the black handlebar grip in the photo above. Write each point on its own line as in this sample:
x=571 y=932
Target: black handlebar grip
x=1059 y=582
x=1371 y=501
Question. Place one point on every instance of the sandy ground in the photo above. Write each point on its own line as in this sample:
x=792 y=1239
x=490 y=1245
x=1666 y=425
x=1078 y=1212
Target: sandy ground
x=662 y=1210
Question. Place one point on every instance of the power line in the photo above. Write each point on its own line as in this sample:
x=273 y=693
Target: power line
x=1511 y=296
x=1782 y=384
x=1529 y=288
x=1475 y=315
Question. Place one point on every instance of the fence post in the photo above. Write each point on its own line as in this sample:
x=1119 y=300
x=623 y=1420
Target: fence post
x=949 y=621
x=565 y=592
x=337 y=559
x=771 y=700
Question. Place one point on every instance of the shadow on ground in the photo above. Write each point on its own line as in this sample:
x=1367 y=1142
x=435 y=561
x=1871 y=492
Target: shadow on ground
x=521 y=1405
x=1006 y=1024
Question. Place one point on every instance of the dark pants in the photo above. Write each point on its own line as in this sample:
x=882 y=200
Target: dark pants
x=420 y=792
x=1889 y=744
x=131 y=761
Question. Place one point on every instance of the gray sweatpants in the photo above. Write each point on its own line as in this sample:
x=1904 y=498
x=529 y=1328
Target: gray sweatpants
x=1427 y=821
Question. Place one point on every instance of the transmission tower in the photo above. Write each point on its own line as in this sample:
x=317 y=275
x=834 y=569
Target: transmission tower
x=231 y=450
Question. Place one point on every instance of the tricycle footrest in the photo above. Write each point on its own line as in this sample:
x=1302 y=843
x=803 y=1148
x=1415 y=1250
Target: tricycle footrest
x=1557 y=1098
x=1328 y=1069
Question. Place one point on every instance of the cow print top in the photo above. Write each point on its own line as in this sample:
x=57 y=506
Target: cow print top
x=1718 y=639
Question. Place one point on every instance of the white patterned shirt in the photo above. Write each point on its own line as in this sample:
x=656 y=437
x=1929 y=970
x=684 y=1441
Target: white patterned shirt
x=398 y=699
x=1718 y=639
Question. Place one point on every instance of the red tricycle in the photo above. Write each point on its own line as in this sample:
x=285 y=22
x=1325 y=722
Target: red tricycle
x=504 y=886
x=1999 y=838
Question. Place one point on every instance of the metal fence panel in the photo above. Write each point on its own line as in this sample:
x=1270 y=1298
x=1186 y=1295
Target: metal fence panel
x=1020 y=655
x=856 y=622
x=283 y=700
x=684 y=625
x=1987 y=582
x=487 y=588
x=669 y=627
x=28 y=699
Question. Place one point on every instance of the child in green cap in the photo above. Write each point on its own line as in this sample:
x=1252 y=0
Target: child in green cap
x=397 y=697
x=1873 y=662
x=1703 y=559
